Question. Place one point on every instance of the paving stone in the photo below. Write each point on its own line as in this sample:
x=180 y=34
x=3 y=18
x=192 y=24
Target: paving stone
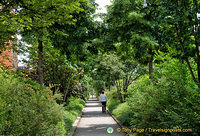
x=95 y=123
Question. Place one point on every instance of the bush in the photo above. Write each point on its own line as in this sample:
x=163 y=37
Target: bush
x=123 y=113
x=82 y=102
x=73 y=109
x=75 y=104
x=25 y=109
x=113 y=100
x=69 y=120
x=170 y=101
x=112 y=104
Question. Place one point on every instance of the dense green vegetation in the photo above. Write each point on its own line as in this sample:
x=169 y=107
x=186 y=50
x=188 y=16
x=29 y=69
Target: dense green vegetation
x=146 y=56
x=171 y=100
x=44 y=97
x=160 y=35
x=26 y=109
x=73 y=109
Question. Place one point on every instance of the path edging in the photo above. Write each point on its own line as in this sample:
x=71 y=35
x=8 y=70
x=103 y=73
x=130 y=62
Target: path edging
x=118 y=122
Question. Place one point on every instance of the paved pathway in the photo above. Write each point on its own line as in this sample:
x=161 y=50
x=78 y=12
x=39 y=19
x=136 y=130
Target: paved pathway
x=94 y=122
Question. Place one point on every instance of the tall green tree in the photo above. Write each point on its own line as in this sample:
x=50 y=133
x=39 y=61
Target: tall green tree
x=42 y=15
x=131 y=30
x=59 y=73
x=75 y=39
x=179 y=25
x=108 y=68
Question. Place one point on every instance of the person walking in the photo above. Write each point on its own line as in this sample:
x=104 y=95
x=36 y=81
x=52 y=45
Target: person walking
x=99 y=97
x=92 y=93
x=103 y=100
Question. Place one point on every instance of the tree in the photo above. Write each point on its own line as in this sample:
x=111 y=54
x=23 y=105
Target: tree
x=108 y=68
x=132 y=30
x=8 y=22
x=42 y=15
x=74 y=39
x=178 y=20
x=60 y=74
x=132 y=71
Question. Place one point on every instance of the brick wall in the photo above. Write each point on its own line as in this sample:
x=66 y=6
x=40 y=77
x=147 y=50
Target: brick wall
x=8 y=57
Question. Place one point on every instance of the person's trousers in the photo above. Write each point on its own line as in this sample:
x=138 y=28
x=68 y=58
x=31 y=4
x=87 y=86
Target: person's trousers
x=103 y=106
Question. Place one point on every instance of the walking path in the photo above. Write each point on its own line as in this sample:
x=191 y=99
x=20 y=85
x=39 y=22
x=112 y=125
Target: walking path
x=95 y=123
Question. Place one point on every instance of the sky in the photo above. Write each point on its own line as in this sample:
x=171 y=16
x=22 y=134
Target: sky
x=102 y=5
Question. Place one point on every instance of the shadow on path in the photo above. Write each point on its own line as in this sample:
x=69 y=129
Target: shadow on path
x=95 y=123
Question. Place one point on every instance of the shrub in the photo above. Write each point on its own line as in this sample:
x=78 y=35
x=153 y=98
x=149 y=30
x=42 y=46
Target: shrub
x=69 y=120
x=82 y=102
x=75 y=104
x=25 y=109
x=73 y=109
x=113 y=100
x=170 y=101
x=112 y=104
x=123 y=113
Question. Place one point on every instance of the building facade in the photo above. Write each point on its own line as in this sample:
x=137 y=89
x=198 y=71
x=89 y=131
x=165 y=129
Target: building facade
x=8 y=57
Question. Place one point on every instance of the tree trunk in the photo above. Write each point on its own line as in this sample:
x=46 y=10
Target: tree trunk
x=179 y=36
x=125 y=87
x=120 y=94
x=118 y=85
x=150 y=63
x=54 y=79
x=114 y=81
x=67 y=91
x=109 y=84
x=40 y=63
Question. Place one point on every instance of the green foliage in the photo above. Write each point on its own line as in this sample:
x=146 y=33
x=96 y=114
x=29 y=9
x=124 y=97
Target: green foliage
x=73 y=108
x=112 y=104
x=82 y=102
x=98 y=85
x=170 y=101
x=107 y=68
x=108 y=65
x=113 y=100
x=74 y=39
x=34 y=16
x=131 y=29
x=69 y=120
x=75 y=105
x=7 y=22
x=25 y=109
x=59 y=73
x=123 y=113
